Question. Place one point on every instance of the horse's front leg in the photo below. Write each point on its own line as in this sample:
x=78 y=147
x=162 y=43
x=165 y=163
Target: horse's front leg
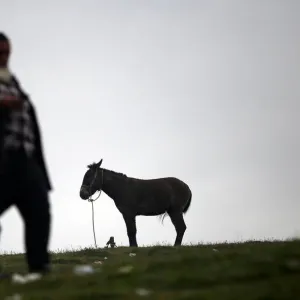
x=131 y=229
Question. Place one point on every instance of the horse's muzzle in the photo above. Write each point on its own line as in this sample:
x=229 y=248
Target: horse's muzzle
x=84 y=194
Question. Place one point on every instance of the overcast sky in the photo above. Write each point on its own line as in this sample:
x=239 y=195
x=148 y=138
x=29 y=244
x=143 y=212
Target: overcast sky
x=206 y=91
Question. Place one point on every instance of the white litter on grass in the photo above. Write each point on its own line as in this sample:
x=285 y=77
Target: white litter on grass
x=125 y=269
x=132 y=254
x=215 y=250
x=142 y=292
x=33 y=276
x=83 y=270
x=105 y=257
x=17 y=278
x=98 y=262
x=14 y=297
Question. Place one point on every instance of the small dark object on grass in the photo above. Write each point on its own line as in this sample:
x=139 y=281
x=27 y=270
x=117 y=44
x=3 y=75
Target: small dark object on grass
x=111 y=242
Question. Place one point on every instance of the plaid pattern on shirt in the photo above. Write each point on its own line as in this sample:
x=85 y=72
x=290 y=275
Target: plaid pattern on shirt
x=19 y=129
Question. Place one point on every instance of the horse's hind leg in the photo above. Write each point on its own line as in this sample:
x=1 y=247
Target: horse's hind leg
x=179 y=224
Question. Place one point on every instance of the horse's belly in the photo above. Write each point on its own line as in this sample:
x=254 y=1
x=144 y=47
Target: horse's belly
x=152 y=207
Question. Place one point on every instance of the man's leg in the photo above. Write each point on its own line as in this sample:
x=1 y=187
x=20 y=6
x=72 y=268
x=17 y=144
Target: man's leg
x=33 y=205
x=5 y=203
x=8 y=188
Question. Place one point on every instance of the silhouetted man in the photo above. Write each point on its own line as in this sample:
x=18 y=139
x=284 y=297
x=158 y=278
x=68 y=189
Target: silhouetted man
x=24 y=181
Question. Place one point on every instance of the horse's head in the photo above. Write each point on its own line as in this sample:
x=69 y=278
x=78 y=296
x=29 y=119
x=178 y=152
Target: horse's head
x=91 y=181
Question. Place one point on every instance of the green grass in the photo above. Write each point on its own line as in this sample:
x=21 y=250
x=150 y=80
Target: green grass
x=243 y=271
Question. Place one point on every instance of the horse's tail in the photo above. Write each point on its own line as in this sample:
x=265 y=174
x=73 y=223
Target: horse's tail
x=185 y=209
x=187 y=206
x=162 y=216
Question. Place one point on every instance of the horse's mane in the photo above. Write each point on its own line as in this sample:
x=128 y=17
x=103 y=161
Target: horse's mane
x=117 y=173
x=114 y=172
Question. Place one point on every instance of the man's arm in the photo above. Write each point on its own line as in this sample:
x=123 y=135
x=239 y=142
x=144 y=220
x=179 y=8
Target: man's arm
x=40 y=150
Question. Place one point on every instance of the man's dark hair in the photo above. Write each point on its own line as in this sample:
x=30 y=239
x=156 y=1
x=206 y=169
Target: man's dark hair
x=3 y=37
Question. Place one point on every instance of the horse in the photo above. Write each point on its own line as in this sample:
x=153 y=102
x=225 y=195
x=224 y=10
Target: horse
x=140 y=197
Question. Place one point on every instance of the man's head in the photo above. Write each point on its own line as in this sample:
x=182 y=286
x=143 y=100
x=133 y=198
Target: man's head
x=4 y=50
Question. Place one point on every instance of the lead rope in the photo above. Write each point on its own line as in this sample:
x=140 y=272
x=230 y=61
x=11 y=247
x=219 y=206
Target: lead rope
x=93 y=214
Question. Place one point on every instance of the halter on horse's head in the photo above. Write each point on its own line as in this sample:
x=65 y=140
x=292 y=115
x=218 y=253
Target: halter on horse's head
x=90 y=185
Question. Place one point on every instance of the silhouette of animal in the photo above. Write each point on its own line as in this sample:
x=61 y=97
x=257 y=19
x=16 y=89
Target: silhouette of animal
x=140 y=197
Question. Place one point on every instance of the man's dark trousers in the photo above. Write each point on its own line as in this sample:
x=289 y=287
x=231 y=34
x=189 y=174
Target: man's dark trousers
x=22 y=184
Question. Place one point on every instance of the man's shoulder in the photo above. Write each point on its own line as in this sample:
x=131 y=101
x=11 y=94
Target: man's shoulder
x=17 y=83
x=24 y=94
x=15 y=80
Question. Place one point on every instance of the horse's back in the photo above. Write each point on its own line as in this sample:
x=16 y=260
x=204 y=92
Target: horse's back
x=180 y=187
x=176 y=188
x=158 y=195
x=167 y=185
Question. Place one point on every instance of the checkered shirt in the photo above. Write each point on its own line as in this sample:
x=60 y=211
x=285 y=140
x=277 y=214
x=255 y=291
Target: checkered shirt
x=19 y=129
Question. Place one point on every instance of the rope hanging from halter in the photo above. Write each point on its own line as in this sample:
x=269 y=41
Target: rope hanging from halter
x=92 y=201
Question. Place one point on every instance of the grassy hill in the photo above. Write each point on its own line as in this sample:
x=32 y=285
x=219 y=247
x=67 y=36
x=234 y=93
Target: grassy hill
x=244 y=271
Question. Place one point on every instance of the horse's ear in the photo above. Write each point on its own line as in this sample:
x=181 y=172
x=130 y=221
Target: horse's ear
x=99 y=163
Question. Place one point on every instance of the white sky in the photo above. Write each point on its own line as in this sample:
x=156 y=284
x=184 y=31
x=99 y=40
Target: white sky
x=207 y=91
